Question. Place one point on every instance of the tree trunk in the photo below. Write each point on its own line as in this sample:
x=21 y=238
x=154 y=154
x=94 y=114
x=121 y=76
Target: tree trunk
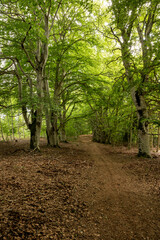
x=2 y=131
x=33 y=135
x=49 y=132
x=151 y=137
x=63 y=137
x=130 y=129
x=55 y=129
x=142 y=112
x=52 y=137
x=52 y=129
x=51 y=118
x=158 y=139
x=63 y=134
x=19 y=134
x=139 y=102
x=56 y=107
x=35 y=129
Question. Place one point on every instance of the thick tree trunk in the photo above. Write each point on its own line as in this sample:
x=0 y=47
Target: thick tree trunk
x=63 y=134
x=41 y=58
x=39 y=108
x=140 y=104
x=38 y=133
x=52 y=137
x=143 y=144
x=38 y=63
x=55 y=129
x=35 y=129
x=51 y=119
x=36 y=112
x=151 y=137
x=52 y=130
x=142 y=112
x=33 y=135
x=56 y=139
x=63 y=137
x=130 y=133
x=54 y=114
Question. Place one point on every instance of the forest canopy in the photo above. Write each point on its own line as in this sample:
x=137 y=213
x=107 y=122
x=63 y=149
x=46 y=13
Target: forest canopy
x=80 y=67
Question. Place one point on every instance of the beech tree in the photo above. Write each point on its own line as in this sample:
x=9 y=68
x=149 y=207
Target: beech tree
x=136 y=23
x=71 y=37
x=35 y=29
x=29 y=25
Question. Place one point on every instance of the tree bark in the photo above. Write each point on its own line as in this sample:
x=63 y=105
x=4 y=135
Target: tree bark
x=51 y=117
x=52 y=128
x=158 y=139
x=35 y=129
x=139 y=102
x=63 y=134
x=2 y=131
x=55 y=130
x=63 y=137
x=136 y=77
x=142 y=112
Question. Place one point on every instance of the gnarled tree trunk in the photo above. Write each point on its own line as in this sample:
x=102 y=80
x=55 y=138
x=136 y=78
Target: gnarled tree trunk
x=142 y=112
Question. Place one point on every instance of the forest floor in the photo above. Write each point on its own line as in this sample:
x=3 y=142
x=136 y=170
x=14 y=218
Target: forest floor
x=83 y=190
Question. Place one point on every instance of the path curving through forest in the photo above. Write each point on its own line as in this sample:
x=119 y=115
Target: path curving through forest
x=121 y=200
x=81 y=191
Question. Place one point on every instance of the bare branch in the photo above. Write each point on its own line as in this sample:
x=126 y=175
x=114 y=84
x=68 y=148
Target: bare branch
x=118 y=39
x=24 y=49
x=53 y=19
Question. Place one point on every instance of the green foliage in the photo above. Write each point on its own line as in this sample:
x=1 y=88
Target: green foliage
x=84 y=68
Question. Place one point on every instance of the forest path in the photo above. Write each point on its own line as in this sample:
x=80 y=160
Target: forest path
x=121 y=202
x=81 y=191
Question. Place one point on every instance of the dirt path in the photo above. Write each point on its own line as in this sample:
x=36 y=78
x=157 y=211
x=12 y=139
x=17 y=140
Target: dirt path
x=121 y=201
x=81 y=191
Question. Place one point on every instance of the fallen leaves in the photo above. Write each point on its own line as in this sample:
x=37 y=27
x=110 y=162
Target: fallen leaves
x=39 y=195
